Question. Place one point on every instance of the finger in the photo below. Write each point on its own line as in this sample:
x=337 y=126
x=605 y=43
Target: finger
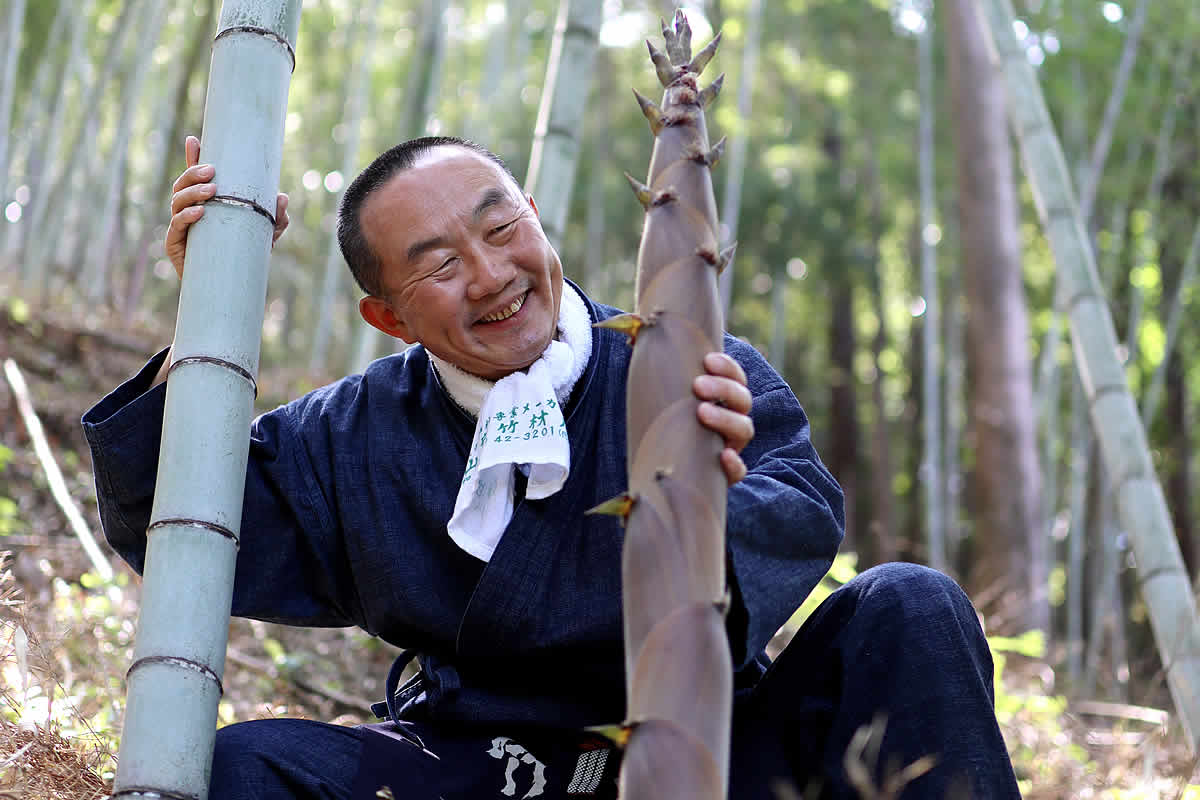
x=281 y=217
x=191 y=150
x=199 y=173
x=732 y=465
x=192 y=196
x=723 y=391
x=177 y=231
x=724 y=365
x=734 y=427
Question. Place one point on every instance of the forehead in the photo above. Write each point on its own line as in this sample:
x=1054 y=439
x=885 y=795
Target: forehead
x=452 y=173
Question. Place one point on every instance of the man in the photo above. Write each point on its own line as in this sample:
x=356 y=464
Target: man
x=357 y=512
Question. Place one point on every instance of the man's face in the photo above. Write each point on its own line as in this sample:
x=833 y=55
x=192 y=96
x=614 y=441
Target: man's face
x=465 y=267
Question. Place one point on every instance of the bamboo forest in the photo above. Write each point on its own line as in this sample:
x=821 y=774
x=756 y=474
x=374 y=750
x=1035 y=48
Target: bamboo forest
x=964 y=232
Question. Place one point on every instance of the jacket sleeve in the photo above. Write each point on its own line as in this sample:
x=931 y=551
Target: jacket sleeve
x=785 y=518
x=291 y=566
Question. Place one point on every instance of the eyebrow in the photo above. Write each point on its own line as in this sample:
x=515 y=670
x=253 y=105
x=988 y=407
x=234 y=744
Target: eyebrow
x=492 y=197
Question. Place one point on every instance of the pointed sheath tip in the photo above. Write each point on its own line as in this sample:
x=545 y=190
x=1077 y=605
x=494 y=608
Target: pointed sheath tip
x=716 y=153
x=651 y=111
x=710 y=92
x=641 y=191
x=683 y=36
x=701 y=59
x=619 y=506
x=725 y=257
x=662 y=65
x=617 y=734
x=710 y=157
x=628 y=324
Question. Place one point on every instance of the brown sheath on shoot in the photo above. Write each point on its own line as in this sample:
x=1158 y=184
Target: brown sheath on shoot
x=677 y=659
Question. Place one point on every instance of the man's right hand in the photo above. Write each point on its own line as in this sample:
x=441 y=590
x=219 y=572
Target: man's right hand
x=192 y=189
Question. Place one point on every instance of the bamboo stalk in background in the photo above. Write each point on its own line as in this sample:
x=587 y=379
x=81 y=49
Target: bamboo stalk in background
x=931 y=473
x=44 y=238
x=1112 y=111
x=95 y=264
x=1187 y=276
x=54 y=476
x=8 y=83
x=175 y=679
x=731 y=199
x=677 y=662
x=43 y=147
x=177 y=110
x=357 y=84
x=1162 y=578
x=420 y=105
x=557 y=135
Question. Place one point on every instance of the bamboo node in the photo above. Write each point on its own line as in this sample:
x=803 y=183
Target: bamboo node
x=710 y=157
x=722 y=605
x=668 y=195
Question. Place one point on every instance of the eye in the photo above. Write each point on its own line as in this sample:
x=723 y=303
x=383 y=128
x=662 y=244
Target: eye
x=504 y=227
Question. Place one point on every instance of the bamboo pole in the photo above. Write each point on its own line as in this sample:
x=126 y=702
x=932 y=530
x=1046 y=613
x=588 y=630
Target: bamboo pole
x=556 y=136
x=1141 y=504
x=175 y=679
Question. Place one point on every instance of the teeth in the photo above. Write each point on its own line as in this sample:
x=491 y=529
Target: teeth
x=506 y=313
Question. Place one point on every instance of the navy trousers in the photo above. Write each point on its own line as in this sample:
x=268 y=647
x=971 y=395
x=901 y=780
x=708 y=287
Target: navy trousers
x=899 y=646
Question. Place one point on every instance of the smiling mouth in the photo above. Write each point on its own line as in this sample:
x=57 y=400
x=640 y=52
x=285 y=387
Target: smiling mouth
x=505 y=313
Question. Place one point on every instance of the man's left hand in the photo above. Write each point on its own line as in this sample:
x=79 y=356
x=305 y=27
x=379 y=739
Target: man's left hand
x=725 y=409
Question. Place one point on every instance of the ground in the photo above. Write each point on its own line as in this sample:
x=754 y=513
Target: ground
x=66 y=635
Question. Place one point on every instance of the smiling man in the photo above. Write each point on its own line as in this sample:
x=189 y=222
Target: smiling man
x=437 y=500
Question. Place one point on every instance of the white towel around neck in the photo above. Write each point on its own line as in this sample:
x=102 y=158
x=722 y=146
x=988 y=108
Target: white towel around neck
x=519 y=424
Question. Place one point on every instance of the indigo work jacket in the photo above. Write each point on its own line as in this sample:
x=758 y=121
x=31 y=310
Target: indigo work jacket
x=350 y=487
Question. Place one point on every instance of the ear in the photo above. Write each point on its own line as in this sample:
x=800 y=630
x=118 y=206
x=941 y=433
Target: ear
x=533 y=205
x=378 y=313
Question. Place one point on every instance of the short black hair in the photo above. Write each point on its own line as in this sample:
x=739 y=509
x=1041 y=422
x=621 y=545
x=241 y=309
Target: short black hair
x=363 y=261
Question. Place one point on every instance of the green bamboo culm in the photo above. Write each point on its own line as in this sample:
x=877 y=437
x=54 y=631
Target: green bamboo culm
x=678 y=665
x=1162 y=578
x=556 y=137
x=174 y=683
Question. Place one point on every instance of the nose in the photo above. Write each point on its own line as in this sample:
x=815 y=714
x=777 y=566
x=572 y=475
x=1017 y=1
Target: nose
x=490 y=274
